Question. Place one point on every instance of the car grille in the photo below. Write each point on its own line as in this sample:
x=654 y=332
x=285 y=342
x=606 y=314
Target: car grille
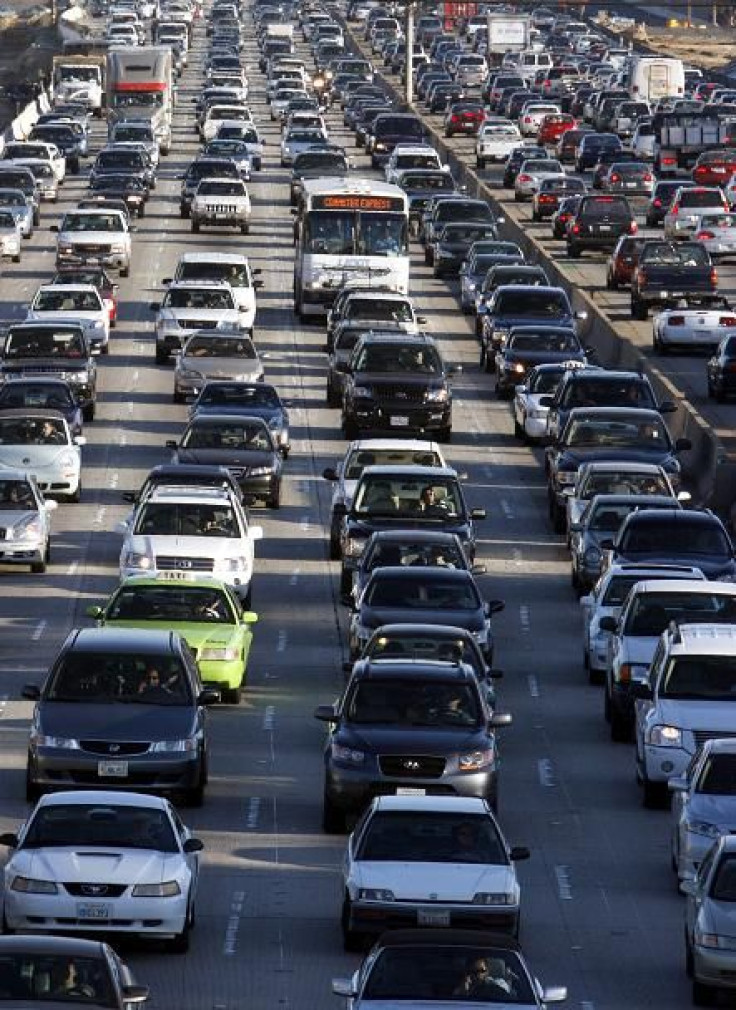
x=83 y=249
x=406 y=393
x=407 y=766
x=222 y=208
x=117 y=749
x=95 y=890
x=197 y=324
x=170 y=561
x=701 y=735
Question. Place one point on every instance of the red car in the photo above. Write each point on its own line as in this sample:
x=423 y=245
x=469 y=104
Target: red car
x=715 y=168
x=622 y=261
x=464 y=117
x=553 y=126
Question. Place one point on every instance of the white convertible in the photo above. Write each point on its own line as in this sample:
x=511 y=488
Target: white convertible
x=693 y=327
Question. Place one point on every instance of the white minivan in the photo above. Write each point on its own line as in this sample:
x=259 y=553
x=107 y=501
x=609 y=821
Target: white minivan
x=530 y=62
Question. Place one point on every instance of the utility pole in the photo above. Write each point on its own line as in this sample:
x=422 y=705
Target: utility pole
x=409 y=69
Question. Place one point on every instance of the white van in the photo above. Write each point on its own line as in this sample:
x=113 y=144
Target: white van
x=652 y=77
x=528 y=63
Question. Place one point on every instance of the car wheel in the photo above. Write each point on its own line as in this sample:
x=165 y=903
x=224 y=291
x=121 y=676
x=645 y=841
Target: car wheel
x=180 y=943
x=88 y=412
x=195 y=227
x=37 y=217
x=125 y=271
x=178 y=397
x=352 y=942
x=333 y=400
x=689 y=965
x=611 y=283
x=33 y=793
x=333 y=819
x=183 y=211
x=38 y=567
x=142 y=210
x=195 y=796
x=573 y=252
x=4 y=927
x=16 y=258
x=244 y=229
x=427 y=257
x=444 y=435
x=654 y=794
x=480 y=163
x=703 y=995
x=334 y=551
x=619 y=725
x=230 y=695
x=162 y=357
x=76 y=497
x=275 y=499
x=535 y=216
x=639 y=310
x=519 y=429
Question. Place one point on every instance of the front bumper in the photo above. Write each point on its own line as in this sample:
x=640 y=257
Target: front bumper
x=213 y=216
x=374 y=917
x=58 y=768
x=715 y=967
x=353 y=790
x=401 y=417
x=664 y=763
x=78 y=258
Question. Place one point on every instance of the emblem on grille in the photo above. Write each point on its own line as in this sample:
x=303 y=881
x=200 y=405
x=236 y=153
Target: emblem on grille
x=184 y=564
x=114 y=748
x=94 y=890
x=411 y=766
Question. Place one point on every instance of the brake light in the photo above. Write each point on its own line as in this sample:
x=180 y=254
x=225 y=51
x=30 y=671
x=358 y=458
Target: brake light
x=704 y=234
x=676 y=321
x=727 y=321
x=656 y=202
x=575 y=229
x=546 y=198
x=524 y=177
x=647 y=177
x=624 y=673
x=668 y=161
x=641 y=277
x=615 y=177
x=546 y=84
x=527 y=119
x=633 y=228
x=713 y=277
x=674 y=210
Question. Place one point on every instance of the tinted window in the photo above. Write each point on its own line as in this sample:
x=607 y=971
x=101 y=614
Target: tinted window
x=413 y=702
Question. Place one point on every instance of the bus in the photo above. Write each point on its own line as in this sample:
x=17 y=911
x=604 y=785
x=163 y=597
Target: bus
x=348 y=229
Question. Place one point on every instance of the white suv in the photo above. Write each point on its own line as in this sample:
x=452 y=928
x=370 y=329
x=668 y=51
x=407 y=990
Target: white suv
x=192 y=530
x=690 y=697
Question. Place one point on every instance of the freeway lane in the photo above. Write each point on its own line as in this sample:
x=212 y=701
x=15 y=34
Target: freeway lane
x=597 y=892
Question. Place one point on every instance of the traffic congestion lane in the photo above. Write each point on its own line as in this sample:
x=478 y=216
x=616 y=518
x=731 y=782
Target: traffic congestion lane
x=268 y=915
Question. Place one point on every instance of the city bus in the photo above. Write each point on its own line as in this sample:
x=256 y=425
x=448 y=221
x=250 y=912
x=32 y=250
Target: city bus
x=348 y=229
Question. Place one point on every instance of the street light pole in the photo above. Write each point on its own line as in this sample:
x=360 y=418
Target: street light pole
x=409 y=32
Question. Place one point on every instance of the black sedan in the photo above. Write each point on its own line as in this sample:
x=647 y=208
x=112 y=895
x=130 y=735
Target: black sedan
x=243 y=444
x=452 y=244
x=607 y=433
x=132 y=189
x=721 y=370
x=55 y=970
x=43 y=394
x=528 y=346
x=256 y=399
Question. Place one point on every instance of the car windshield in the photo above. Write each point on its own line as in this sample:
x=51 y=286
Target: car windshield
x=623 y=482
x=100 y=678
x=359 y=459
x=230 y=435
x=717 y=776
x=345 y=233
x=10 y=199
x=723 y=887
x=17 y=496
x=56 y=396
x=462 y=210
x=416 y=161
x=32 y=342
x=695 y=538
x=67 y=301
x=646 y=434
x=465 y=234
x=415 y=553
x=32 y=431
x=537 y=304
x=100 y=825
x=34 y=978
x=172 y=602
x=545 y=383
x=650 y=613
x=382 y=309
x=211 y=187
x=413 y=703
x=400 y=358
x=199 y=298
x=411 y=837
x=220 y=347
x=603 y=391
x=382 y=496
x=422 y=594
x=187 y=520
x=239 y=395
x=449 y=974
x=92 y=222
x=543 y=342
x=703 y=678
x=618 y=589
x=666 y=254
x=328 y=164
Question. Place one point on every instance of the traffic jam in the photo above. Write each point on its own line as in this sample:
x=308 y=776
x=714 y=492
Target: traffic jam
x=275 y=146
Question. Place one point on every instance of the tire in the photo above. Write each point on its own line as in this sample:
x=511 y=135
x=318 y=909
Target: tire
x=535 y=216
x=689 y=965
x=77 y=496
x=427 y=257
x=611 y=284
x=105 y=349
x=333 y=819
x=125 y=271
x=245 y=229
x=88 y=411
x=180 y=943
x=333 y=400
x=639 y=310
x=703 y=995
x=178 y=397
x=352 y=942
x=275 y=499
x=480 y=163
x=620 y=728
x=33 y=793
x=230 y=695
x=16 y=258
x=654 y=795
x=142 y=210
x=183 y=211
x=444 y=435
x=5 y=928
x=38 y=567
x=557 y=516
x=334 y=549
x=162 y=357
x=573 y=252
x=350 y=430
x=195 y=227
x=519 y=430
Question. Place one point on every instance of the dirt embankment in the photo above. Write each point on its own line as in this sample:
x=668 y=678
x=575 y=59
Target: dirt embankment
x=27 y=42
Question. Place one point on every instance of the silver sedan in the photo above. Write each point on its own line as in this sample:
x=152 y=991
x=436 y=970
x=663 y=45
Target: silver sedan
x=717 y=232
x=298 y=140
x=215 y=354
x=532 y=172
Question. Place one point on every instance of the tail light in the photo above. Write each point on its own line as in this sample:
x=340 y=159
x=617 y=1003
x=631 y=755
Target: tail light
x=676 y=321
x=624 y=672
x=656 y=202
x=455 y=118
x=647 y=177
x=524 y=177
x=615 y=177
x=633 y=228
x=674 y=210
x=641 y=277
x=668 y=161
x=703 y=235
x=575 y=229
x=546 y=198
x=527 y=119
x=546 y=84
x=713 y=277
x=727 y=321
x=730 y=366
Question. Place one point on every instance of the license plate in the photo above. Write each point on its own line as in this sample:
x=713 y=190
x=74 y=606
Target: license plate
x=604 y=227
x=112 y=769
x=399 y=421
x=432 y=917
x=410 y=791
x=631 y=185
x=95 y=912
x=176 y=576
x=704 y=333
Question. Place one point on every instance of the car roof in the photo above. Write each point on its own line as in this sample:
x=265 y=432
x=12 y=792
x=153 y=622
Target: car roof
x=212 y=257
x=190 y=495
x=634 y=413
x=81 y=797
x=415 y=669
x=707 y=639
x=67 y=288
x=448 y=938
x=425 y=574
x=416 y=536
x=701 y=587
x=608 y=374
x=429 y=473
x=625 y=466
x=434 y=804
x=672 y=515
x=549 y=289
x=435 y=630
x=30 y=412
x=637 y=500
x=123 y=640
x=71 y=946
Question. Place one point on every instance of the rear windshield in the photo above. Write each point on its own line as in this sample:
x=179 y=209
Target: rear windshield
x=699 y=538
x=605 y=207
x=532 y=303
x=688 y=254
x=700 y=198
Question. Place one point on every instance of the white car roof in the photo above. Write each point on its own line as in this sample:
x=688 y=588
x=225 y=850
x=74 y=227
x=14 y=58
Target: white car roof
x=433 y=804
x=98 y=797
x=67 y=288
x=699 y=587
x=193 y=495
x=210 y=257
x=415 y=149
x=706 y=639
x=398 y=444
x=198 y=285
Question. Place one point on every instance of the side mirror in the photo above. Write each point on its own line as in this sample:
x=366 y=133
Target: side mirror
x=154 y=306
x=248 y=617
x=343 y=987
x=495 y=607
x=520 y=390
x=167 y=280
x=209 y=696
x=554 y=994
x=53 y=227
x=94 y=611
x=325 y=713
x=500 y=220
x=135 y=993
x=329 y=473
x=500 y=719
x=347 y=601
x=258 y=285
x=171 y=443
x=477 y=513
x=546 y=401
x=129 y=496
x=79 y=440
x=684 y=496
x=422 y=320
x=31 y=692
x=683 y=444
x=607 y=545
x=518 y=853
x=10 y=839
x=581 y=315
x=641 y=690
x=678 y=784
x=607 y=623
x=255 y=532
x=667 y=407
x=688 y=887
x=493 y=674
x=454 y=369
x=575 y=527
x=51 y=505
x=193 y=845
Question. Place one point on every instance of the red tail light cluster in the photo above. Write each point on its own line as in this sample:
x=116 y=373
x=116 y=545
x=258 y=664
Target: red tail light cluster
x=615 y=177
x=524 y=177
x=727 y=321
x=713 y=277
x=676 y=321
x=656 y=202
x=633 y=228
x=575 y=229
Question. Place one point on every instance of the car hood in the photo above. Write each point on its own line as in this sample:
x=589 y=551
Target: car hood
x=420 y=1004
x=228 y=457
x=406 y=739
x=717 y=917
x=236 y=369
x=711 y=567
x=21 y=456
x=93 y=237
x=9 y=517
x=85 y=318
x=198 y=636
x=435 y=881
x=640 y=649
x=50 y=366
x=375 y=617
x=203 y=317
x=92 y=863
x=715 y=716
x=116 y=722
x=720 y=810
x=574 y=457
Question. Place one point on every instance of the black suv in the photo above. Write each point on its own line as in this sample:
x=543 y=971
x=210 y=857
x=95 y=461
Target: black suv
x=675 y=537
x=398 y=384
x=133 y=702
x=394 y=497
x=599 y=223
x=414 y=725
x=53 y=350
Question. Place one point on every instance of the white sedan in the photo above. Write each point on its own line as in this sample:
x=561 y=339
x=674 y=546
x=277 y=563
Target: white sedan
x=532 y=115
x=530 y=416
x=428 y=861
x=40 y=442
x=98 y=862
x=75 y=303
x=699 y=326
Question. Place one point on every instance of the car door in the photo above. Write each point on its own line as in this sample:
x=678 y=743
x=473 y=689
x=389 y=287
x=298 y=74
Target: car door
x=183 y=834
x=645 y=708
x=699 y=889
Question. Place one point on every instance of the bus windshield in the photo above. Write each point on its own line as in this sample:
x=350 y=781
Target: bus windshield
x=344 y=233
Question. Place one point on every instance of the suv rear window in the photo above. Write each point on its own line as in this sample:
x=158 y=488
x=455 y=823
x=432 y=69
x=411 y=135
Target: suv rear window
x=605 y=207
x=700 y=198
x=532 y=303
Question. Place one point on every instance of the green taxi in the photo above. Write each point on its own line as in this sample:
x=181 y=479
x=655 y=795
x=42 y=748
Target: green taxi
x=204 y=611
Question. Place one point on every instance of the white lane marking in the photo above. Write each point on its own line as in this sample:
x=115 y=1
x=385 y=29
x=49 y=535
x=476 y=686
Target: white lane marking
x=587 y=1004
x=268 y=716
x=507 y=510
x=533 y=685
x=294 y=577
x=72 y=569
x=546 y=773
x=99 y=516
x=112 y=480
x=525 y=617
x=3 y=703
x=281 y=641
x=564 y=889
x=122 y=439
x=252 y=813
x=305 y=524
x=517 y=556
x=39 y=630
x=233 y=924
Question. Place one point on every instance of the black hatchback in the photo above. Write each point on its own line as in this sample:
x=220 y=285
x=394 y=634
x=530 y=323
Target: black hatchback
x=120 y=709
x=599 y=223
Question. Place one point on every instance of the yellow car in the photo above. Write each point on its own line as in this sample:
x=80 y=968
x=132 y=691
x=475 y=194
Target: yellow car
x=204 y=611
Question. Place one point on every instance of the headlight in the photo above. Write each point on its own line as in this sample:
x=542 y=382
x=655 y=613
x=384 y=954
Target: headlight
x=27 y=885
x=168 y=889
x=472 y=285
x=98 y=324
x=515 y=367
x=26 y=529
x=65 y=248
x=346 y=755
x=136 y=560
x=703 y=828
x=437 y=395
x=375 y=894
x=68 y=460
x=714 y=941
x=476 y=760
x=500 y=336
x=261 y=471
x=275 y=423
x=664 y=736
x=185 y=746
x=566 y=477
x=59 y=742
x=117 y=247
x=235 y=563
x=354 y=547
x=222 y=654
x=538 y=413
x=190 y=373
x=362 y=392
x=493 y=898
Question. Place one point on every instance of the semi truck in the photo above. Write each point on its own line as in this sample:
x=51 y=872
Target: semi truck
x=140 y=86
x=508 y=33
x=80 y=78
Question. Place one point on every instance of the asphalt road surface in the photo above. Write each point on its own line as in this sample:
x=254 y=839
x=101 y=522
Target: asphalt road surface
x=600 y=911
